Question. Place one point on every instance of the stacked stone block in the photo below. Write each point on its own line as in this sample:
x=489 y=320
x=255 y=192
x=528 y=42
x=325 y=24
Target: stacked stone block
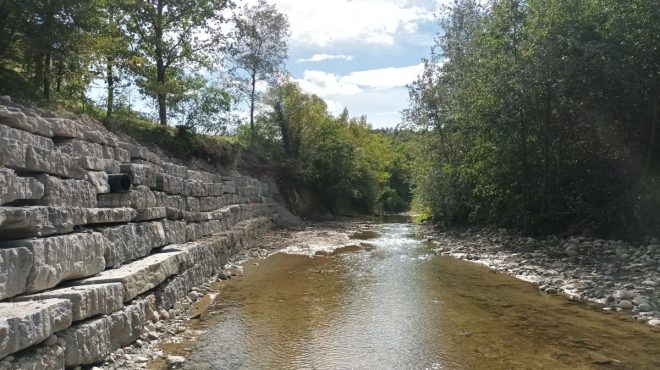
x=82 y=268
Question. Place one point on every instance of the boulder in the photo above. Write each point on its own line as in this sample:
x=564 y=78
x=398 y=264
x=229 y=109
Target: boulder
x=23 y=324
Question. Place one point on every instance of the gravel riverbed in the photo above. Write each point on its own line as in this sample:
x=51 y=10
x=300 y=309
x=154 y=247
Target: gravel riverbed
x=618 y=275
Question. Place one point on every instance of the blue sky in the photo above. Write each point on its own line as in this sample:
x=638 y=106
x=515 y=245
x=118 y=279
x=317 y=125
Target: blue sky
x=359 y=54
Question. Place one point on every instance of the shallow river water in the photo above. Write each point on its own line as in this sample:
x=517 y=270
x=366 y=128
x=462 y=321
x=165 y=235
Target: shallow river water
x=389 y=303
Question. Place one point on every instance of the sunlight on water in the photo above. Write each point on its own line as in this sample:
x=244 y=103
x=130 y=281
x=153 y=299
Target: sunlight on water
x=390 y=303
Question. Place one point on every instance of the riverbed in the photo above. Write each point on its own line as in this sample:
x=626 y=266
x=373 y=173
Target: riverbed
x=381 y=298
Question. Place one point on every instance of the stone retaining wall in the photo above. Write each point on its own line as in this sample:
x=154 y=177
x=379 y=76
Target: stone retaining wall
x=83 y=269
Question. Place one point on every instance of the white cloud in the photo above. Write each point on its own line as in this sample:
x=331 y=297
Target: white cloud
x=322 y=23
x=326 y=84
x=322 y=57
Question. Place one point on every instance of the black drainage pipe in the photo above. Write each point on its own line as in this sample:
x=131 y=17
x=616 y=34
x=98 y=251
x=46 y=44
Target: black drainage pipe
x=119 y=183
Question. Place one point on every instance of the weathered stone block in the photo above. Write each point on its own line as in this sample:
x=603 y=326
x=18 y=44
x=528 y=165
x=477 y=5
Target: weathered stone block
x=14 y=187
x=175 y=231
x=19 y=120
x=175 y=170
x=23 y=324
x=52 y=162
x=129 y=242
x=91 y=341
x=67 y=193
x=66 y=128
x=192 y=204
x=78 y=148
x=114 y=200
x=140 y=174
x=142 y=197
x=20 y=222
x=39 y=358
x=142 y=275
x=122 y=155
x=15 y=266
x=12 y=154
x=109 y=215
x=86 y=300
x=99 y=164
x=149 y=214
x=99 y=181
x=169 y=184
x=26 y=138
x=59 y=258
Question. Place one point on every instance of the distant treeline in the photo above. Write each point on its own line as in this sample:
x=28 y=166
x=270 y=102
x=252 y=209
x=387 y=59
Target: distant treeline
x=542 y=115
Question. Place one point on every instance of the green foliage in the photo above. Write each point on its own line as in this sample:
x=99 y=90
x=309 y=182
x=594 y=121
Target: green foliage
x=541 y=114
x=349 y=166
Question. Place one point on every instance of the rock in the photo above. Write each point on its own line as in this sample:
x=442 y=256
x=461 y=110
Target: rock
x=626 y=305
x=551 y=290
x=99 y=180
x=67 y=193
x=149 y=214
x=14 y=187
x=20 y=121
x=108 y=215
x=26 y=138
x=140 y=174
x=153 y=335
x=571 y=250
x=175 y=360
x=49 y=358
x=15 y=267
x=52 y=162
x=625 y=294
x=19 y=222
x=170 y=184
x=91 y=341
x=88 y=300
x=164 y=314
x=175 y=231
x=59 y=258
x=644 y=307
x=99 y=164
x=132 y=241
x=50 y=341
x=23 y=324
x=654 y=322
x=142 y=275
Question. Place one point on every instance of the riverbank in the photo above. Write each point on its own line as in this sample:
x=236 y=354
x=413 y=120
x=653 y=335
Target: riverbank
x=615 y=274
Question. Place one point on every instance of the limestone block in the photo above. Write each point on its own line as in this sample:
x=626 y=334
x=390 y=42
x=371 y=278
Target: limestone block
x=66 y=128
x=109 y=215
x=142 y=275
x=197 y=189
x=215 y=190
x=59 y=258
x=178 y=286
x=15 y=266
x=12 y=154
x=67 y=193
x=86 y=300
x=169 y=184
x=132 y=241
x=99 y=181
x=52 y=162
x=142 y=197
x=39 y=358
x=140 y=152
x=140 y=174
x=23 y=324
x=122 y=155
x=174 y=213
x=114 y=200
x=228 y=189
x=26 y=138
x=192 y=204
x=175 y=170
x=99 y=164
x=205 y=177
x=175 y=231
x=20 y=222
x=149 y=214
x=19 y=120
x=14 y=187
x=98 y=135
x=78 y=148
x=91 y=341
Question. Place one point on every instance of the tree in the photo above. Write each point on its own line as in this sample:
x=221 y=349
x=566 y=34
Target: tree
x=169 y=37
x=258 y=48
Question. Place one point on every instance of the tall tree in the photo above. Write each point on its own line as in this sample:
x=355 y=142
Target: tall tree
x=258 y=49
x=170 y=36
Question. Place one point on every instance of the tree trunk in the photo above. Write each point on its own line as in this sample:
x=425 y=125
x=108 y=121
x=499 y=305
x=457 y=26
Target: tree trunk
x=253 y=134
x=161 y=95
x=111 y=87
x=46 y=76
x=60 y=76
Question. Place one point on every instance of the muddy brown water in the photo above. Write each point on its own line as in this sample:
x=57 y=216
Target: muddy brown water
x=388 y=302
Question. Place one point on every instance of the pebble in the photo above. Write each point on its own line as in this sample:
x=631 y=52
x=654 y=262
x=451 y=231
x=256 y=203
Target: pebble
x=654 y=322
x=164 y=314
x=626 y=305
x=644 y=307
x=175 y=360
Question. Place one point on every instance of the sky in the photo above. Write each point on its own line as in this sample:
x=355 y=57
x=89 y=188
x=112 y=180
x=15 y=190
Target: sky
x=360 y=54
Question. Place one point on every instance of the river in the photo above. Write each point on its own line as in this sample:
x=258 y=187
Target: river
x=388 y=302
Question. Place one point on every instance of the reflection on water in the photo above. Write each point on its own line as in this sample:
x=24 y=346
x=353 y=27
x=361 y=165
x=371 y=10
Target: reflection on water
x=391 y=304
